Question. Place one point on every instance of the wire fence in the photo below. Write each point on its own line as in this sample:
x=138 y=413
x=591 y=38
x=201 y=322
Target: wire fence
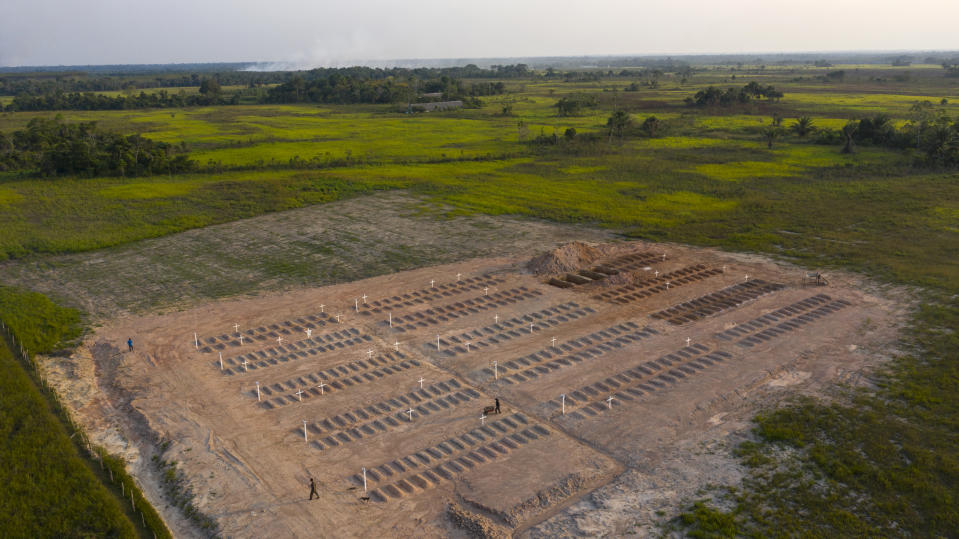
x=112 y=468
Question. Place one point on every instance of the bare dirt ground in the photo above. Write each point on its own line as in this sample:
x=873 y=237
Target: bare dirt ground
x=621 y=396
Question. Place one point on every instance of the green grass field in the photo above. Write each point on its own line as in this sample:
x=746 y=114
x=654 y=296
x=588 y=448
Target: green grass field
x=882 y=463
x=43 y=468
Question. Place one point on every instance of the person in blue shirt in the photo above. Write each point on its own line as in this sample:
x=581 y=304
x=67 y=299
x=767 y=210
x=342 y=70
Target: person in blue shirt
x=130 y=343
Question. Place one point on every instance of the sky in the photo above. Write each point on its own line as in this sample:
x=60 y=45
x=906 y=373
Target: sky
x=341 y=32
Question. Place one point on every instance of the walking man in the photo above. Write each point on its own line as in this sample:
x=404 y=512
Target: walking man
x=313 y=489
x=130 y=343
x=497 y=405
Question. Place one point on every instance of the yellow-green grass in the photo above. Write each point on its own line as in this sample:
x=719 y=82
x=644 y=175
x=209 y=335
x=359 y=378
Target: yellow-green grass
x=577 y=169
x=945 y=218
x=736 y=122
x=380 y=138
x=505 y=188
x=862 y=104
x=9 y=196
x=149 y=189
x=692 y=142
x=81 y=214
x=790 y=161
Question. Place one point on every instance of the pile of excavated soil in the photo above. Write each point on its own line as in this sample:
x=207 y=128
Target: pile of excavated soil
x=568 y=257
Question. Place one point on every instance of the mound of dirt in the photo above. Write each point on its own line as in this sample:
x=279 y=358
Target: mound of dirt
x=567 y=258
x=475 y=525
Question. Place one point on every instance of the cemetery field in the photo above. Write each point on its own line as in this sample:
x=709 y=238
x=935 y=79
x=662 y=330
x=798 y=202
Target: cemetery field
x=295 y=212
x=603 y=378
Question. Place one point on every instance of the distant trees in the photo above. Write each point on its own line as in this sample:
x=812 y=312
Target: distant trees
x=712 y=96
x=835 y=76
x=617 y=123
x=574 y=104
x=54 y=148
x=941 y=144
x=346 y=88
x=920 y=114
x=651 y=126
x=210 y=86
x=324 y=85
x=90 y=101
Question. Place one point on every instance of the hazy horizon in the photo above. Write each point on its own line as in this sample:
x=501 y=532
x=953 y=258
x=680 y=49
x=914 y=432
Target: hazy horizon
x=302 y=35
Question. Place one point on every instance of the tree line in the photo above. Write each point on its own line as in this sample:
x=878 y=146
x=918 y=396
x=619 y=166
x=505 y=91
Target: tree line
x=55 y=148
x=712 y=96
x=929 y=131
x=347 y=89
x=91 y=101
x=356 y=84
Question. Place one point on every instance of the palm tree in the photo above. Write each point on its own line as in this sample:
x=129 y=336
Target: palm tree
x=771 y=133
x=803 y=126
x=618 y=122
x=941 y=143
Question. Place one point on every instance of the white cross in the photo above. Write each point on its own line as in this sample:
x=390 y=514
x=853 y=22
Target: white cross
x=747 y=278
x=530 y=327
x=486 y=291
x=421 y=382
x=667 y=285
x=369 y=354
x=431 y=282
x=467 y=347
x=356 y=304
x=610 y=401
x=244 y=365
x=337 y=319
x=309 y=332
x=688 y=340
x=656 y=273
x=241 y=340
x=437 y=342
x=410 y=411
x=458 y=276
x=304 y=431
x=724 y=268
x=300 y=395
x=279 y=340
x=396 y=346
x=364 y=298
x=196 y=341
x=321 y=308
x=496 y=318
x=236 y=328
x=664 y=256
x=257 y=392
x=391 y=319
x=483 y=419
x=554 y=342
x=221 y=360
x=563 y=400
x=321 y=386
x=495 y=371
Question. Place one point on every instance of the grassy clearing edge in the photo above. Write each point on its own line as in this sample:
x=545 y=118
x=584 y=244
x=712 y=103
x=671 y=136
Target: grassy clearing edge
x=880 y=462
x=110 y=467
